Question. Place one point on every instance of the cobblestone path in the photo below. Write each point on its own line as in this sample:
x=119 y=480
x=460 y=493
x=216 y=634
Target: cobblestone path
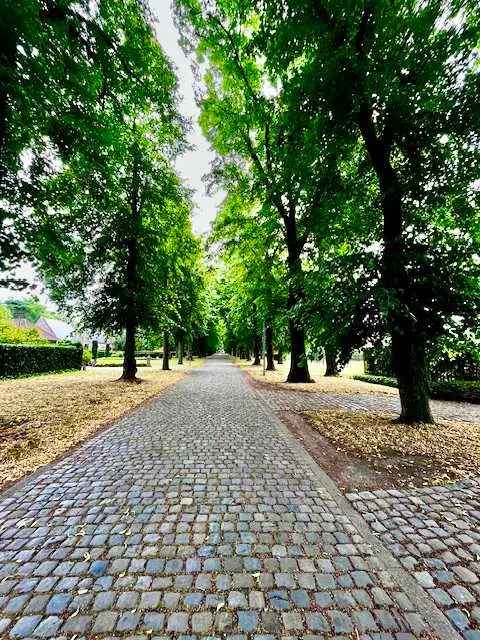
x=199 y=516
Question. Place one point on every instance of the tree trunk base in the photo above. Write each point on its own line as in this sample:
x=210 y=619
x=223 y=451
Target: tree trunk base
x=270 y=367
x=300 y=375
x=413 y=421
x=129 y=379
x=256 y=363
x=331 y=368
x=411 y=368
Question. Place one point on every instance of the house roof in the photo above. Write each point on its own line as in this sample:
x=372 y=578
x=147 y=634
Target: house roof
x=53 y=329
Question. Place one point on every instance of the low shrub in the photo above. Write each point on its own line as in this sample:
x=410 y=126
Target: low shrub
x=27 y=359
x=11 y=334
x=107 y=362
x=459 y=390
x=374 y=379
x=444 y=365
x=376 y=361
x=152 y=354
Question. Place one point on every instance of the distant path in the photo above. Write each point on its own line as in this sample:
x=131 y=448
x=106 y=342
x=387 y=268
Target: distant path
x=199 y=516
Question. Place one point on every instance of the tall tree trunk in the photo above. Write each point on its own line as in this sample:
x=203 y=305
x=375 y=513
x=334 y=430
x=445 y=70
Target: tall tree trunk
x=180 y=351
x=298 y=358
x=280 y=357
x=256 y=349
x=8 y=53
x=408 y=345
x=410 y=366
x=129 y=361
x=131 y=317
x=189 y=351
x=166 y=352
x=9 y=18
x=269 y=347
x=331 y=361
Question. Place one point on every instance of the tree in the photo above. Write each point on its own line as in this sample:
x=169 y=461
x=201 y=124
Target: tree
x=400 y=77
x=11 y=334
x=105 y=227
x=30 y=308
x=249 y=239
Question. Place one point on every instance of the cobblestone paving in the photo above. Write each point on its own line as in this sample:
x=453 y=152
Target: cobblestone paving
x=198 y=516
x=287 y=400
x=435 y=532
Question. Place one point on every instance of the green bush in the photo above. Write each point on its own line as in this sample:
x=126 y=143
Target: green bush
x=373 y=379
x=376 y=361
x=115 y=362
x=445 y=365
x=26 y=359
x=459 y=390
x=152 y=354
x=87 y=356
x=11 y=334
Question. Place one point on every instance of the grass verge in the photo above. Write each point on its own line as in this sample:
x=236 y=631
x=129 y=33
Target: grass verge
x=43 y=417
x=417 y=455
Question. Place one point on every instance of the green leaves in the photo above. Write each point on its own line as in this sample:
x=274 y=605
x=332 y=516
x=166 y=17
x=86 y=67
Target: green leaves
x=110 y=227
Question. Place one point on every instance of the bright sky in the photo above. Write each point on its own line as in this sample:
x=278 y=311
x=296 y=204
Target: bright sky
x=193 y=164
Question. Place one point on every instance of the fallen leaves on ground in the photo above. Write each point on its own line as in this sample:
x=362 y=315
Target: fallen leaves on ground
x=42 y=417
x=420 y=454
x=334 y=385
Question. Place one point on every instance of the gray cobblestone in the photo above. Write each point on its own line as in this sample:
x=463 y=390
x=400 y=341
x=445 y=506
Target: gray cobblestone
x=48 y=627
x=178 y=622
x=105 y=622
x=25 y=626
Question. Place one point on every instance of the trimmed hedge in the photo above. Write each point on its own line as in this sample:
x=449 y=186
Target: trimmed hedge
x=152 y=354
x=27 y=359
x=385 y=380
x=459 y=390
x=138 y=354
x=100 y=365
